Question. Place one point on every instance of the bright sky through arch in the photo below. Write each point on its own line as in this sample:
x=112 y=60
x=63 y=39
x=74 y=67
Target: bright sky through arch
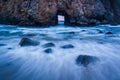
x=61 y=18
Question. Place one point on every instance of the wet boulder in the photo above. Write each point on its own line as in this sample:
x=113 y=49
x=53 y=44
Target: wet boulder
x=68 y=46
x=83 y=30
x=100 y=31
x=49 y=50
x=48 y=45
x=28 y=42
x=109 y=32
x=85 y=60
x=2 y=44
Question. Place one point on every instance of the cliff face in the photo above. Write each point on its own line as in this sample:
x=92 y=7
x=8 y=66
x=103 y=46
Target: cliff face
x=28 y=12
x=44 y=12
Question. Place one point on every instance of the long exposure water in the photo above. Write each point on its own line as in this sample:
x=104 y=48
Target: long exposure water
x=56 y=56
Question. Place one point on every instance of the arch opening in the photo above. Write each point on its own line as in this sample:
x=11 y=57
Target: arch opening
x=62 y=17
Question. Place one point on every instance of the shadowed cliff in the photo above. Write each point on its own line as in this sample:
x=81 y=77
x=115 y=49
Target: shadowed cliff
x=44 y=12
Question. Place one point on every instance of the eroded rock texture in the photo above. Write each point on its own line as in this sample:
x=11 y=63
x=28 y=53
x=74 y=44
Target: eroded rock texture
x=44 y=12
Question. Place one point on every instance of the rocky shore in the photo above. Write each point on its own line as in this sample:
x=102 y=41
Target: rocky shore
x=60 y=53
x=45 y=12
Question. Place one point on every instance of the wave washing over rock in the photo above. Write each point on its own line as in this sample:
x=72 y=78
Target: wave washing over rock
x=60 y=53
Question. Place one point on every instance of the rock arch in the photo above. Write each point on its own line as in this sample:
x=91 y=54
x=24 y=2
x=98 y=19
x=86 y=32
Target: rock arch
x=44 y=12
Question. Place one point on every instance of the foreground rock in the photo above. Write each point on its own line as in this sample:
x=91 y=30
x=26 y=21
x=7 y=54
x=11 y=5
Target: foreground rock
x=85 y=60
x=28 y=42
x=44 y=12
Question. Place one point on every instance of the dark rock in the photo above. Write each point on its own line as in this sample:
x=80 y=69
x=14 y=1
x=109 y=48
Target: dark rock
x=9 y=48
x=109 y=33
x=67 y=32
x=2 y=44
x=28 y=42
x=85 y=60
x=83 y=30
x=49 y=50
x=48 y=45
x=69 y=46
x=100 y=32
x=72 y=32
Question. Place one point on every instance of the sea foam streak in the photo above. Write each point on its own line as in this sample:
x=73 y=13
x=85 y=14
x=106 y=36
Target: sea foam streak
x=32 y=63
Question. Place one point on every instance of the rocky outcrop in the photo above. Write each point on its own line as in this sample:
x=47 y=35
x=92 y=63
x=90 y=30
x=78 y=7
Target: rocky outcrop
x=28 y=42
x=85 y=60
x=27 y=12
x=44 y=12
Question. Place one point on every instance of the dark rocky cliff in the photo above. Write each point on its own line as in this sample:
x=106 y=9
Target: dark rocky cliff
x=44 y=12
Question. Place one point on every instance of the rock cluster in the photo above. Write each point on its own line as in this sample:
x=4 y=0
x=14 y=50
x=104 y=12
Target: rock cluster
x=44 y=12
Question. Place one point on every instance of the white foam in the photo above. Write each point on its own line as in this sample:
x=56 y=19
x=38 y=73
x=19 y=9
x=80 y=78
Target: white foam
x=31 y=63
